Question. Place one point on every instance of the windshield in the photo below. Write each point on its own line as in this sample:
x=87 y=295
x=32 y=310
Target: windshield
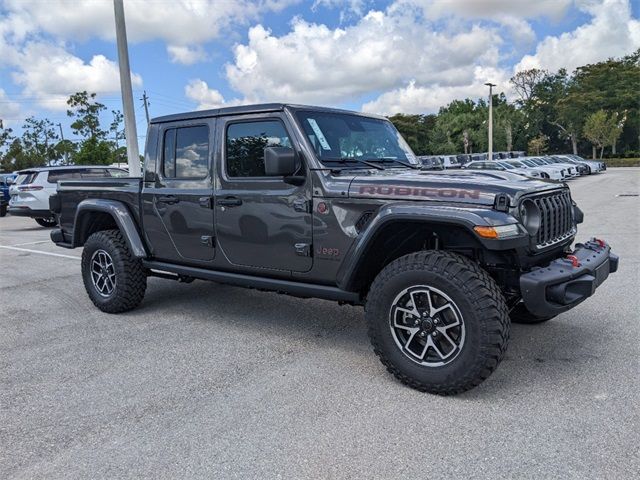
x=506 y=165
x=517 y=164
x=530 y=163
x=343 y=136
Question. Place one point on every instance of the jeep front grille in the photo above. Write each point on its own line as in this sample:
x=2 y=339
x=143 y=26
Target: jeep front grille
x=556 y=218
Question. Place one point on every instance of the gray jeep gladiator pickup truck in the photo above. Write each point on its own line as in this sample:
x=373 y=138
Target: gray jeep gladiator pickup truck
x=325 y=203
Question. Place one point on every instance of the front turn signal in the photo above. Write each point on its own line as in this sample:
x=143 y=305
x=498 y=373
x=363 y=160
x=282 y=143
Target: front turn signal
x=501 y=231
x=486 y=232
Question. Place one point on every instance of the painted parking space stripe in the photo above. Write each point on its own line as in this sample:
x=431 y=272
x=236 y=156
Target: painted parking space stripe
x=18 y=249
x=30 y=243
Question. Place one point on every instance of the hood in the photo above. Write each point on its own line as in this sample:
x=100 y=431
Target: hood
x=473 y=187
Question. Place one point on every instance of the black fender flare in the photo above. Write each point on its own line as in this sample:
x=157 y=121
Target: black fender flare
x=466 y=218
x=121 y=215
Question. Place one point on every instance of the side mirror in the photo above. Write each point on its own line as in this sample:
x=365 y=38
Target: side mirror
x=10 y=181
x=279 y=161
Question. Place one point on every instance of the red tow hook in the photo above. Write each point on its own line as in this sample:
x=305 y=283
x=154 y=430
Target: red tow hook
x=574 y=260
x=602 y=243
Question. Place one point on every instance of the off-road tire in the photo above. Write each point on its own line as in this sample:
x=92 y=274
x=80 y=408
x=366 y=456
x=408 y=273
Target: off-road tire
x=521 y=315
x=3 y=211
x=478 y=299
x=46 y=222
x=131 y=279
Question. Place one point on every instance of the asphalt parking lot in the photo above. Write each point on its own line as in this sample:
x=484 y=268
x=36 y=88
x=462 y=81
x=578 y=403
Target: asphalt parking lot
x=206 y=380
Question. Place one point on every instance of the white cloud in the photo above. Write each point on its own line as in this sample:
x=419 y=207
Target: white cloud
x=611 y=32
x=178 y=22
x=186 y=55
x=313 y=63
x=489 y=9
x=9 y=110
x=206 y=98
x=50 y=74
x=414 y=98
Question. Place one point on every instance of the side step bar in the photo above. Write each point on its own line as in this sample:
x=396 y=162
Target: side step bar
x=297 y=289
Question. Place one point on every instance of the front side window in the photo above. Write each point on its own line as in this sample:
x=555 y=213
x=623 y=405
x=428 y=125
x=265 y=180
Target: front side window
x=245 y=144
x=343 y=136
x=186 y=152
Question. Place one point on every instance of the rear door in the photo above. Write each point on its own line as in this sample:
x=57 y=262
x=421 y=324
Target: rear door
x=179 y=200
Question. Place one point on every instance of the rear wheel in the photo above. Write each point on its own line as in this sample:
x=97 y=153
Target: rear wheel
x=520 y=314
x=437 y=321
x=114 y=279
x=46 y=222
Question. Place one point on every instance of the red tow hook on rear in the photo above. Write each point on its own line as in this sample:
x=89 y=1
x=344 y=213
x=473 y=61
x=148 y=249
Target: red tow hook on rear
x=601 y=243
x=574 y=260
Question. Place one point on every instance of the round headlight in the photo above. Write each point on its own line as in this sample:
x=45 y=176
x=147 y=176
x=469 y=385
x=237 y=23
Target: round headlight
x=530 y=216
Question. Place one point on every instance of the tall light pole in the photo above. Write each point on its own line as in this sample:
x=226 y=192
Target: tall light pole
x=490 y=85
x=127 y=93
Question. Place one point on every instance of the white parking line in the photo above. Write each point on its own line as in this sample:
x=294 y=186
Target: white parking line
x=30 y=243
x=41 y=253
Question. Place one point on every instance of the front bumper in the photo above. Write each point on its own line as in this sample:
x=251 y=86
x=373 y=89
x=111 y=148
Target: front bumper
x=566 y=282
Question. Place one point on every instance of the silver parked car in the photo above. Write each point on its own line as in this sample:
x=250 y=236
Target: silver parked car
x=32 y=188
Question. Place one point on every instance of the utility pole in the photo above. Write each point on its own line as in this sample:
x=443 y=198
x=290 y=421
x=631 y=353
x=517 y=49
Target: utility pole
x=127 y=93
x=490 y=85
x=66 y=159
x=145 y=99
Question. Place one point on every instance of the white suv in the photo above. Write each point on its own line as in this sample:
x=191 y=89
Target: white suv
x=32 y=188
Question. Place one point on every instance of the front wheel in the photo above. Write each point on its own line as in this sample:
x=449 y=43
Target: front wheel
x=46 y=222
x=114 y=279
x=437 y=321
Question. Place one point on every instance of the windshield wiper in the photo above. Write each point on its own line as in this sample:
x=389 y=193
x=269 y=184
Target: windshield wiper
x=356 y=160
x=395 y=160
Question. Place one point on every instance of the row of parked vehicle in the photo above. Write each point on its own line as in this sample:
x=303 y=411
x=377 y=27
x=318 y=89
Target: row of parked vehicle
x=554 y=167
x=26 y=193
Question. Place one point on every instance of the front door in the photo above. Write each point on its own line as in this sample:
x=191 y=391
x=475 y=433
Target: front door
x=181 y=196
x=261 y=222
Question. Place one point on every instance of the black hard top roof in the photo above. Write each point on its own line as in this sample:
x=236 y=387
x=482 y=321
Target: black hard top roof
x=246 y=109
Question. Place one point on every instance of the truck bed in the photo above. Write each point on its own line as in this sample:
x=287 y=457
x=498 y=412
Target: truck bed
x=72 y=192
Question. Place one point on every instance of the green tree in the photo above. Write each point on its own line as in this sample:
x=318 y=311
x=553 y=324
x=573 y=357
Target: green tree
x=39 y=138
x=116 y=128
x=538 y=145
x=94 y=151
x=95 y=147
x=85 y=111
x=416 y=130
x=603 y=129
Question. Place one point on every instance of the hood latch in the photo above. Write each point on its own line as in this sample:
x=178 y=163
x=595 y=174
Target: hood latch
x=501 y=202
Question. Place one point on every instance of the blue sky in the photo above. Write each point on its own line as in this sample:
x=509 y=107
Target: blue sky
x=411 y=56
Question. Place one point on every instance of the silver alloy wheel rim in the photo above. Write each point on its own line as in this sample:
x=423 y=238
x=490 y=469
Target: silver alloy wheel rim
x=427 y=326
x=103 y=273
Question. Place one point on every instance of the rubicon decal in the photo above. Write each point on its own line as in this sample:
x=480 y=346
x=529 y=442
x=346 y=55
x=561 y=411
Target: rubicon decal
x=394 y=191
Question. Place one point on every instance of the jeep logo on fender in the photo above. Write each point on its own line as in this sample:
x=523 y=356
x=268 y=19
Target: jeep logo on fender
x=391 y=191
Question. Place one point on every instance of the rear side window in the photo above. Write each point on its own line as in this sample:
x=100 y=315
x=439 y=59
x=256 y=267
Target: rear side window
x=245 y=146
x=26 y=178
x=67 y=174
x=186 y=152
